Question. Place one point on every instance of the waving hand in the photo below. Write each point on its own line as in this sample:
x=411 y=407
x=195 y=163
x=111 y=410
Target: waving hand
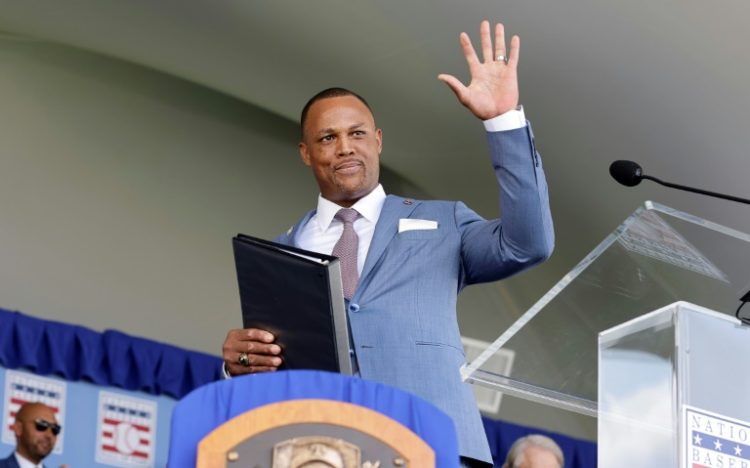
x=494 y=80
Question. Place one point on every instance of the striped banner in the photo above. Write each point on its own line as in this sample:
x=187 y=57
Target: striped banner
x=22 y=387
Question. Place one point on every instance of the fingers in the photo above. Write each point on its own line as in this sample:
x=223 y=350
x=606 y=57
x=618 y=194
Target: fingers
x=256 y=363
x=249 y=335
x=254 y=334
x=250 y=341
x=264 y=361
x=499 y=41
x=235 y=369
x=468 y=49
x=484 y=37
x=490 y=54
x=515 y=51
x=259 y=352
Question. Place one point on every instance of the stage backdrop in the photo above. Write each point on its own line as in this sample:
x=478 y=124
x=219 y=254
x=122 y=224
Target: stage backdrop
x=101 y=426
x=114 y=393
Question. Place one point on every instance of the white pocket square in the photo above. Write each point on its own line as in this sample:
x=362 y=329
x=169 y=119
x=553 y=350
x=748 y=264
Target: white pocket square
x=409 y=224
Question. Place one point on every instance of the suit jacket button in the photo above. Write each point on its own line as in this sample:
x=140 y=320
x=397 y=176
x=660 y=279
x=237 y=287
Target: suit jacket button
x=408 y=202
x=354 y=307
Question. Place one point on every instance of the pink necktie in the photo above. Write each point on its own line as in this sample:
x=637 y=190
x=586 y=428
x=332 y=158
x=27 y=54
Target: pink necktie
x=346 y=250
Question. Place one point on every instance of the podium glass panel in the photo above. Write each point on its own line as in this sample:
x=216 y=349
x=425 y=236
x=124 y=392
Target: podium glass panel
x=673 y=390
x=656 y=257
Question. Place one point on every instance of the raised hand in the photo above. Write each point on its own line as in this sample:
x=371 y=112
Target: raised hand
x=494 y=81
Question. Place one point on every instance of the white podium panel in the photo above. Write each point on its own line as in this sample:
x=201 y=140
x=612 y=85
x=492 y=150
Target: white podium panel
x=673 y=390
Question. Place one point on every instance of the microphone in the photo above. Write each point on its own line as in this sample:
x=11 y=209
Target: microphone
x=630 y=174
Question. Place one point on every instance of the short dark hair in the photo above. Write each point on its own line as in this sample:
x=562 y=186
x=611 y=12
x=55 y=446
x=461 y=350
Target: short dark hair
x=325 y=94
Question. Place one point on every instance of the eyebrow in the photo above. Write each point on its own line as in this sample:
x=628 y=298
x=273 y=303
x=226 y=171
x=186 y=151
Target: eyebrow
x=329 y=130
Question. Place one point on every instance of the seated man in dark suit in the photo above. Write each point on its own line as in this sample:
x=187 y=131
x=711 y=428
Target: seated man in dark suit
x=36 y=430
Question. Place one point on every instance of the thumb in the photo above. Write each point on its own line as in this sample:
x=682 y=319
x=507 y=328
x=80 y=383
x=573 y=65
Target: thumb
x=454 y=84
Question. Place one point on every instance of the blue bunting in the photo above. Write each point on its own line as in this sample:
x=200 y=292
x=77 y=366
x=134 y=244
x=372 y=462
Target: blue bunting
x=78 y=353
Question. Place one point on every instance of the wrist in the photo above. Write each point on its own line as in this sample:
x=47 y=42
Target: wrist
x=510 y=120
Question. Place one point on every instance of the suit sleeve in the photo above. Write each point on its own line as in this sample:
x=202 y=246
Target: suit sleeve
x=524 y=236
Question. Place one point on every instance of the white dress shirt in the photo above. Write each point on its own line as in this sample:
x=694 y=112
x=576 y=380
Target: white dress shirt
x=322 y=231
x=24 y=463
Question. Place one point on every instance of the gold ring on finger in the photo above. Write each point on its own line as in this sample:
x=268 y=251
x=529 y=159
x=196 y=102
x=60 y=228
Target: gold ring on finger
x=244 y=360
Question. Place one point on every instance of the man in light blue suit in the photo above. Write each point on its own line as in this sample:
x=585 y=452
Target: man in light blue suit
x=413 y=257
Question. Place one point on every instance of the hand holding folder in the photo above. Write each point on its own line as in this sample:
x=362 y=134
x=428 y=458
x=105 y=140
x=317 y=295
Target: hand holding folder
x=263 y=354
x=294 y=295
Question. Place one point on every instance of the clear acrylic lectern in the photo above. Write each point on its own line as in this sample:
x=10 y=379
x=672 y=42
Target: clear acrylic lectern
x=656 y=257
x=673 y=390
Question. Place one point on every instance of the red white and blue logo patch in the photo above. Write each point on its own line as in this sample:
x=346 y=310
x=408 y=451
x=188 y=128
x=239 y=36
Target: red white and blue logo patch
x=714 y=441
x=126 y=430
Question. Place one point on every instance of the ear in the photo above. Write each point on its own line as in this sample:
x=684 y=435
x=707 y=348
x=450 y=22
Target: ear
x=18 y=428
x=379 y=139
x=304 y=154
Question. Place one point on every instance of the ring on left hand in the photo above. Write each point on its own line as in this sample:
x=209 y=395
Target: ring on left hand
x=502 y=58
x=244 y=360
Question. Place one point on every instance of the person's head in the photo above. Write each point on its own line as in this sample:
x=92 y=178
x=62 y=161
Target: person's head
x=36 y=431
x=534 y=451
x=341 y=144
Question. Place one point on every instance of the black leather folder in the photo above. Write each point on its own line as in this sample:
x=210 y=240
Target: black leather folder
x=296 y=295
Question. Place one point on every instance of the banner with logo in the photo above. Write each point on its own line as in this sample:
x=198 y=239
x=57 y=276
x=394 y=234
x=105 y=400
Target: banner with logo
x=20 y=388
x=102 y=426
x=714 y=441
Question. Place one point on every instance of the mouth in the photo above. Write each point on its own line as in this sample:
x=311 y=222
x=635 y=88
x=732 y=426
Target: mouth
x=45 y=446
x=348 y=167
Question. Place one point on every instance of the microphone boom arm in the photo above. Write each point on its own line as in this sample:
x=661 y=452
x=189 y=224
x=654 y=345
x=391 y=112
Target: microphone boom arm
x=695 y=190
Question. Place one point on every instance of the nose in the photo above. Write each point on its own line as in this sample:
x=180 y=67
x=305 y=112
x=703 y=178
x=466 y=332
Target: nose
x=344 y=147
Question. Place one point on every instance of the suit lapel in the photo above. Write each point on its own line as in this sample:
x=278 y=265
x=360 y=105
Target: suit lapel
x=394 y=209
x=290 y=236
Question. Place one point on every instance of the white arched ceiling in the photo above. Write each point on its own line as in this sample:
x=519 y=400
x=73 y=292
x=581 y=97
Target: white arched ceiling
x=658 y=82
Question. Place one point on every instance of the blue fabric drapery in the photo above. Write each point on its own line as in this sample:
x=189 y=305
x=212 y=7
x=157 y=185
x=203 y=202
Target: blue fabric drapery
x=110 y=358
x=116 y=359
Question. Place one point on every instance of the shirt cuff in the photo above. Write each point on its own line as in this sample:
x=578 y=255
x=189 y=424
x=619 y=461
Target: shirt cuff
x=225 y=373
x=511 y=120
